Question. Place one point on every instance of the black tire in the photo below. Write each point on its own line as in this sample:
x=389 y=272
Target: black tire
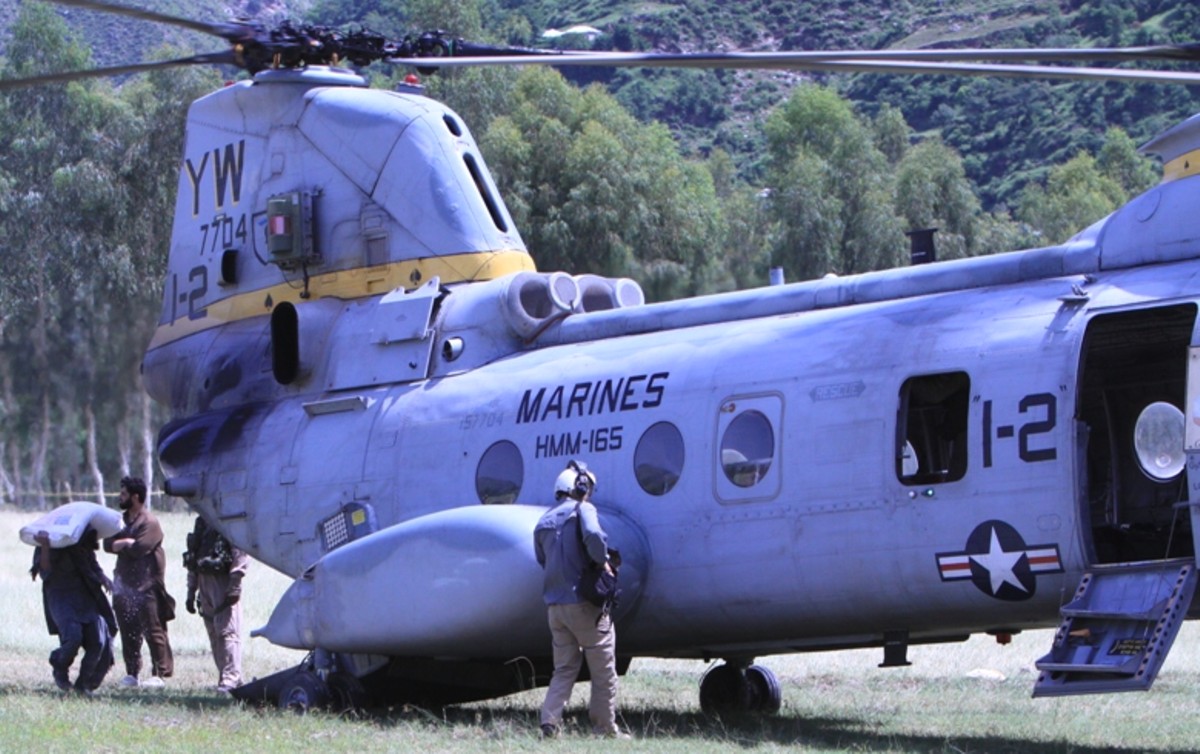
x=346 y=693
x=303 y=692
x=724 y=690
x=765 y=694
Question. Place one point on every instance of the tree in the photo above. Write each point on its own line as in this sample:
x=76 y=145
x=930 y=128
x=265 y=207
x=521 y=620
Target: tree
x=1076 y=195
x=832 y=192
x=387 y=17
x=86 y=178
x=932 y=191
x=476 y=94
x=1119 y=160
x=57 y=168
x=891 y=133
x=748 y=238
x=592 y=190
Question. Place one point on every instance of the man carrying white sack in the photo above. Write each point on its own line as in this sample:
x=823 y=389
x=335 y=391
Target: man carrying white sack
x=77 y=610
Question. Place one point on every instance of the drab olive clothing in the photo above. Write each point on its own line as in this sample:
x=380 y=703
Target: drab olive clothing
x=223 y=621
x=140 y=596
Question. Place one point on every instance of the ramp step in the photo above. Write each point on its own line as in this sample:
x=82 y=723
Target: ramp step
x=1106 y=615
x=1118 y=629
x=1129 y=667
x=1084 y=608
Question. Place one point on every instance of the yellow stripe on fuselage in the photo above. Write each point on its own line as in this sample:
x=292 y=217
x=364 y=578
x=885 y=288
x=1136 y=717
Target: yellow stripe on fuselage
x=1182 y=166
x=349 y=284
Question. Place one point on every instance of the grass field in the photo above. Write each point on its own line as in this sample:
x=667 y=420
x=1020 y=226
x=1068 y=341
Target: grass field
x=833 y=702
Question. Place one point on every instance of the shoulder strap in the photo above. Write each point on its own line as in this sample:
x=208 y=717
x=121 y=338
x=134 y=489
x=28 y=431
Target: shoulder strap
x=579 y=533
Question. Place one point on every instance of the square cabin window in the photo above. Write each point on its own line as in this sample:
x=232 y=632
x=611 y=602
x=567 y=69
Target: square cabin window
x=931 y=432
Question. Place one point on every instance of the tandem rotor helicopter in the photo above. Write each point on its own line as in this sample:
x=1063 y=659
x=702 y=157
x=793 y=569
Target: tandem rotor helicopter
x=373 y=388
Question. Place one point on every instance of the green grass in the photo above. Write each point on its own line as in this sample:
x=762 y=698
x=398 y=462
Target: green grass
x=833 y=702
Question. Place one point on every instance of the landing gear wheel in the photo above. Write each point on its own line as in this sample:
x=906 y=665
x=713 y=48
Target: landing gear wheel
x=724 y=690
x=304 y=691
x=346 y=693
x=765 y=694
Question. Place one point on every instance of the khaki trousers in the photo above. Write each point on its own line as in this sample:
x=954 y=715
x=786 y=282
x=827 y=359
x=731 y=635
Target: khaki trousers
x=577 y=635
x=224 y=636
x=224 y=628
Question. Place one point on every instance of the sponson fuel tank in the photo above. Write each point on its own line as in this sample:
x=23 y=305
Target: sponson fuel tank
x=477 y=592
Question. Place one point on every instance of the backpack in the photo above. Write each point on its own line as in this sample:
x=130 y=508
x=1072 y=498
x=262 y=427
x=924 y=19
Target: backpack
x=207 y=551
x=597 y=584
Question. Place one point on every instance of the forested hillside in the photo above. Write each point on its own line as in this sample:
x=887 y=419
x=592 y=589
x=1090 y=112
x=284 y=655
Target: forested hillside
x=1009 y=132
x=691 y=182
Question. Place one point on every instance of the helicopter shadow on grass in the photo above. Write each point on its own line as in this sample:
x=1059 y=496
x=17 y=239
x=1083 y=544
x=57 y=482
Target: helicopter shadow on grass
x=189 y=700
x=749 y=731
x=742 y=731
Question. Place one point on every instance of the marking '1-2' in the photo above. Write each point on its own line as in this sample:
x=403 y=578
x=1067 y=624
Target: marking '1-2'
x=1044 y=408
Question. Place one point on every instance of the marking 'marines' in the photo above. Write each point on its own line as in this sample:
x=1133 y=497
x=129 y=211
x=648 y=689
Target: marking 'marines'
x=592 y=398
x=228 y=163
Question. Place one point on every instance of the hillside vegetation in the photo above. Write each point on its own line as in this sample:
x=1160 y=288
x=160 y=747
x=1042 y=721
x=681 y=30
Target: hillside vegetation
x=1009 y=132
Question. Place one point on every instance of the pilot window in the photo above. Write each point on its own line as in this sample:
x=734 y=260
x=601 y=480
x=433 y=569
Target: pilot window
x=931 y=437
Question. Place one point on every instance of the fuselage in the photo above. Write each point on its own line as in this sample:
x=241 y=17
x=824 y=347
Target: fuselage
x=934 y=451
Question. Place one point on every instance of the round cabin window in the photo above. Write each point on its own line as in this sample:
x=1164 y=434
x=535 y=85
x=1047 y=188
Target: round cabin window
x=500 y=474
x=658 y=460
x=747 y=448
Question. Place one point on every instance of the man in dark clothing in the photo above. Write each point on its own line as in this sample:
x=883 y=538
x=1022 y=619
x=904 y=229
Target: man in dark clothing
x=140 y=596
x=566 y=540
x=73 y=587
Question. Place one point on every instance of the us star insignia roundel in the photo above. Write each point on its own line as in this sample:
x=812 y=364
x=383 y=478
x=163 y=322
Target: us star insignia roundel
x=999 y=563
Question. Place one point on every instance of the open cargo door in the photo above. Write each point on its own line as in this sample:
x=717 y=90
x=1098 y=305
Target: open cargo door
x=1140 y=405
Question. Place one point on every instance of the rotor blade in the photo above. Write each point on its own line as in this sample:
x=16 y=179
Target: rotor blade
x=1043 y=54
x=790 y=59
x=232 y=31
x=1037 y=72
x=475 y=49
x=216 y=58
x=830 y=62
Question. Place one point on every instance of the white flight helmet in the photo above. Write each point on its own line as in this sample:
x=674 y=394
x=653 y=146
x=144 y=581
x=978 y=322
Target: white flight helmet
x=575 y=481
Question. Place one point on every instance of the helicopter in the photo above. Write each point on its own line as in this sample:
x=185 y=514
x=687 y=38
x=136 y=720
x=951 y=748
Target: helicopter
x=373 y=388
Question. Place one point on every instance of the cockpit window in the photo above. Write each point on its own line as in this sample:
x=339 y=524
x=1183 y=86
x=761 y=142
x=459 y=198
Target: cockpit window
x=931 y=439
x=485 y=192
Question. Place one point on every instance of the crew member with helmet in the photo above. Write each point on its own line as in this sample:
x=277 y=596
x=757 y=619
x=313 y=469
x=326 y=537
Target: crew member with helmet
x=567 y=540
x=214 y=572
